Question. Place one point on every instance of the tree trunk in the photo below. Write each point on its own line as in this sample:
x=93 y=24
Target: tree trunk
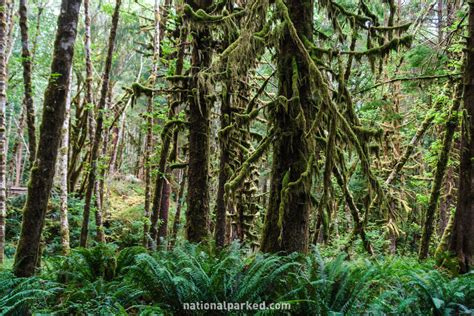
x=197 y=215
x=287 y=220
x=149 y=136
x=164 y=211
x=462 y=241
x=179 y=204
x=165 y=148
x=99 y=126
x=443 y=158
x=89 y=99
x=100 y=185
x=54 y=108
x=62 y=168
x=3 y=101
x=27 y=65
x=224 y=167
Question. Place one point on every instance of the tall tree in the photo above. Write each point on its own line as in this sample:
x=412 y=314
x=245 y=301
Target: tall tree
x=149 y=137
x=3 y=101
x=99 y=125
x=89 y=69
x=26 y=59
x=62 y=169
x=441 y=165
x=197 y=215
x=287 y=219
x=43 y=170
x=462 y=241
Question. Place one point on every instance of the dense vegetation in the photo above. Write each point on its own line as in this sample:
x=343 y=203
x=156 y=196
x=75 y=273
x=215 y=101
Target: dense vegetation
x=316 y=154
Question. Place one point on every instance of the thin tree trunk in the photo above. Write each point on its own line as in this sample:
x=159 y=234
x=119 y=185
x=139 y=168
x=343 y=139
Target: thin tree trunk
x=149 y=141
x=99 y=125
x=89 y=99
x=224 y=161
x=443 y=158
x=27 y=65
x=164 y=211
x=100 y=185
x=3 y=102
x=462 y=241
x=19 y=165
x=165 y=148
x=42 y=173
x=177 y=215
x=62 y=166
x=414 y=141
x=359 y=228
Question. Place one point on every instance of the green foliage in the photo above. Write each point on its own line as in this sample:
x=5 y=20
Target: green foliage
x=101 y=280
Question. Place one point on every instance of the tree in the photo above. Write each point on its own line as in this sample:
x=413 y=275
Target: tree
x=26 y=59
x=197 y=214
x=155 y=210
x=62 y=168
x=43 y=170
x=441 y=165
x=3 y=100
x=105 y=88
x=462 y=241
x=287 y=219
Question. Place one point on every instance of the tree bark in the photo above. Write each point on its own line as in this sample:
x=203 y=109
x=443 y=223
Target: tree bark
x=89 y=99
x=443 y=158
x=26 y=60
x=3 y=102
x=149 y=144
x=62 y=168
x=42 y=173
x=100 y=185
x=165 y=148
x=462 y=241
x=164 y=211
x=287 y=220
x=179 y=204
x=99 y=125
x=197 y=215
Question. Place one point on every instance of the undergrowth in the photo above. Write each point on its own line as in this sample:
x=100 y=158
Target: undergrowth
x=104 y=281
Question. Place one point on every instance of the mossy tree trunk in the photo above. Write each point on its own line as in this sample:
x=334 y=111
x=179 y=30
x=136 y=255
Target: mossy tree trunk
x=99 y=126
x=149 y=122
x=26 y=59
x=88 y=98
x=197 y=215
x=167 y=137
x=3 y=101
x=62 y=170
x=462 y=241
x=179 y=204
x=43 y=170
x=224 y=161
x=287 y=220
x=441 y=165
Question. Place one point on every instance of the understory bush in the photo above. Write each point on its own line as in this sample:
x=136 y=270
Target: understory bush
x=104 y=281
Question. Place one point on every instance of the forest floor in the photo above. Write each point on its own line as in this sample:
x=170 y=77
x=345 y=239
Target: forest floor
x=119 y=278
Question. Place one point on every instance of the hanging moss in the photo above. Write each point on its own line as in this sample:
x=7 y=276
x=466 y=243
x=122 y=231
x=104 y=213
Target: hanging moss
x=139 y=90
x=286 y=186
x=233 y=183
x=365 y=9
x=359 y=18
x=382 y=51
x=170 y=125
x=402 y=28
x=368 y=133
x=202 y=16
